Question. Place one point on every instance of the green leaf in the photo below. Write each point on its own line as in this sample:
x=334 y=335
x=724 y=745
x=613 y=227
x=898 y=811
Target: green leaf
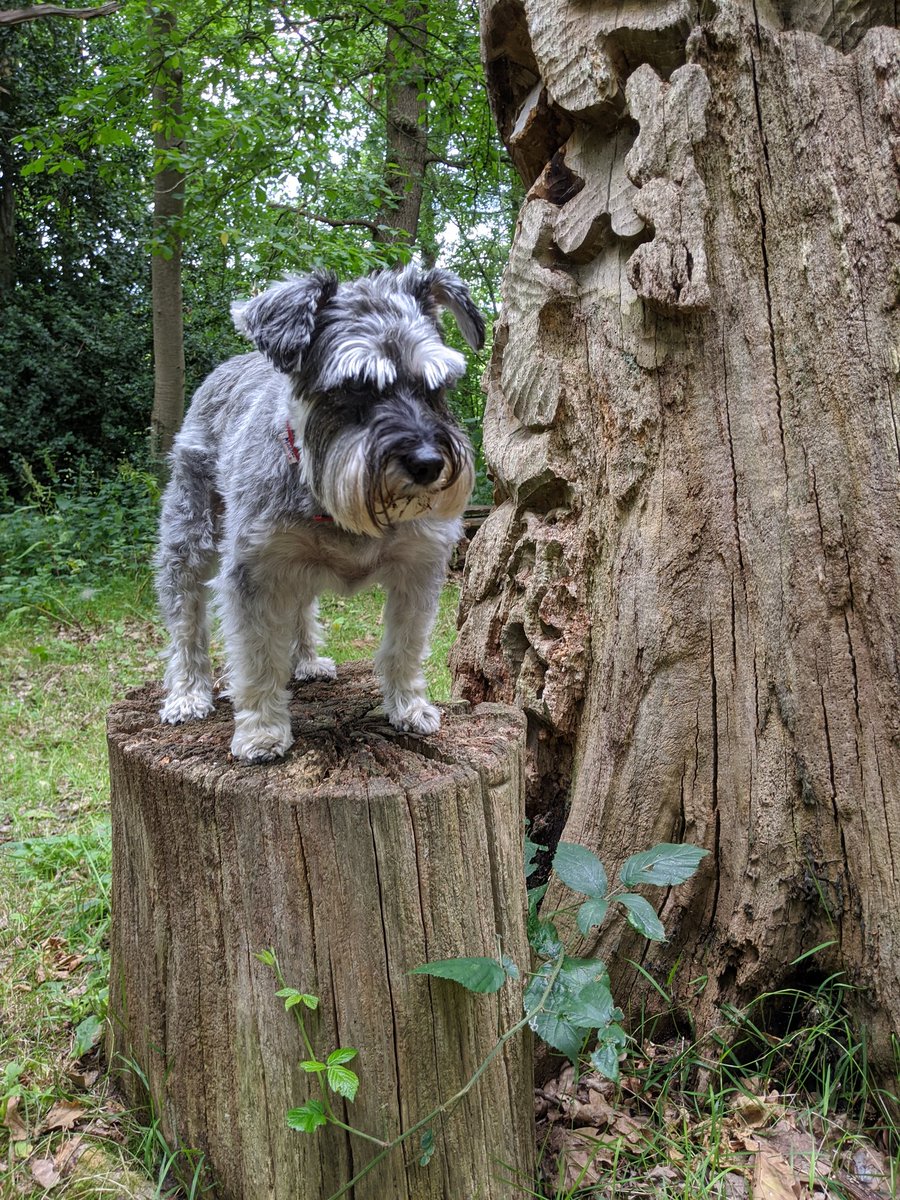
x=543 y=938
x=308 y=1117
x=642 y=916
x=664 y=865
x=267 y=957
x=559 y=1033
x=593 y=1007
x=292 y=996
x=343 y=1054
x=531 y=852
x=343 y=1081
x=580 y=869
x=482 y=975
x=591 y=913
x=577 y=973
x=312 y=1066
x=87 y=1033
x=510 y=967
x=426 y=1145
x=605 y=1060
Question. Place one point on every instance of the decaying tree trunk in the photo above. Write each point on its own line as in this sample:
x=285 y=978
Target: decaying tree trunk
x=691 y=581
x=362 y=855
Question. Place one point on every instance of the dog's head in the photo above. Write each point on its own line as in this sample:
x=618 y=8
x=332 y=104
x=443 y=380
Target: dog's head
x=370 y=372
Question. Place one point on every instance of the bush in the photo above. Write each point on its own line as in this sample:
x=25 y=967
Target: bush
x=78 y=532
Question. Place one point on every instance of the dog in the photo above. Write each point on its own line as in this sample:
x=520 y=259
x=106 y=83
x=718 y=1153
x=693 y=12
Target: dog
x=326 y=460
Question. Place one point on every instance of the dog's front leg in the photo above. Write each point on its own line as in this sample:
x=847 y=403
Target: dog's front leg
x=258 y=611
x=409 y=616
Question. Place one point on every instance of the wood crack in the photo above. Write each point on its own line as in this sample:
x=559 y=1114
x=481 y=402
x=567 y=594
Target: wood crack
x=772 y=348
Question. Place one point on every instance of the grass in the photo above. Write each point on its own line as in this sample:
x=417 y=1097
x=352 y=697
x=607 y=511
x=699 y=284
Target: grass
x=63 y=661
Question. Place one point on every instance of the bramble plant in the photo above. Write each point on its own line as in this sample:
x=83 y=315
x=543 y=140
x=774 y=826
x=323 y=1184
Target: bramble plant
x=567 y=1000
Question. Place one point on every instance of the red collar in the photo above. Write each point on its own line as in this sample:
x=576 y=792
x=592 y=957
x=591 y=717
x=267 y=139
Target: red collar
x=293 y=453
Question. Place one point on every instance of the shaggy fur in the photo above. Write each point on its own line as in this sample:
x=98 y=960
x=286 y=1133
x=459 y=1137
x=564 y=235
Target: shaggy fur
x=326 y=461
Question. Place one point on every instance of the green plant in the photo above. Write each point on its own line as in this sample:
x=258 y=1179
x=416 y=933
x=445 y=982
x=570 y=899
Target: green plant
x=567 y=1000
x=73 y=535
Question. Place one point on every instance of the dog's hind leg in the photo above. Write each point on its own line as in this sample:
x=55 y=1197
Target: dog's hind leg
x=308 y=663
x=184 y=562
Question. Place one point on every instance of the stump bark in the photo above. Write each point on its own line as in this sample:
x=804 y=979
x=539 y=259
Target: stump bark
x=363 y=854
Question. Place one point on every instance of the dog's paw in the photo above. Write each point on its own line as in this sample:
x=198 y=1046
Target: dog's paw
x=414 y=716
x=261 y=743
x=315 y=668
x=188 y=706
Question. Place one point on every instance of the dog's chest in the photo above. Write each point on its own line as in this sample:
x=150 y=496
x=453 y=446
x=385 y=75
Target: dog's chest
x=330 y=559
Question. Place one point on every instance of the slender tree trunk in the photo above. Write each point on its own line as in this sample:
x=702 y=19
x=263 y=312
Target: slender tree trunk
x=690 y=581
x=8 y=177
x=165 y=269
x=407 y=136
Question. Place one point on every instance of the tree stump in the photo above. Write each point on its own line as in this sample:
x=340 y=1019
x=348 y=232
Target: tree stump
x=363 y=854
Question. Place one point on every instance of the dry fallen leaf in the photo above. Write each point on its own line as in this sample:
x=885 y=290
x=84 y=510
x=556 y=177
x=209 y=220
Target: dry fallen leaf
x=774 y=1177
x=67 y=1153
x=871 y=1168
x=63 y=1115
x=83 y=1077
x=44 y=1172
x=18 y=1130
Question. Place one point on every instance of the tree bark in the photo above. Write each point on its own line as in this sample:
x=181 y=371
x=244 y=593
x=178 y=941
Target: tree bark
x=361 y=856
x=406 y=129
x=9 y=178
x=165 y=262
x=690 y=580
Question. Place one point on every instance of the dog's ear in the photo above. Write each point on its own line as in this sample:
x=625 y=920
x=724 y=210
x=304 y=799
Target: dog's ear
x=281 y=322
x=449 y=291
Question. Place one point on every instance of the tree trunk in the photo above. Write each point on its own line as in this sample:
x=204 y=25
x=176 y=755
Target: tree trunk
x=406 y=130
x=165 y=263
x=8 y=175
x=690 y=581
x=361 y=856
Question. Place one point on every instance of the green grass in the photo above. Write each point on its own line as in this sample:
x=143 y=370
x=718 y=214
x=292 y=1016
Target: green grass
x=63 y=661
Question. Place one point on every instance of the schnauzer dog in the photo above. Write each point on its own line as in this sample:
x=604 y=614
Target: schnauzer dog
x=328 y=460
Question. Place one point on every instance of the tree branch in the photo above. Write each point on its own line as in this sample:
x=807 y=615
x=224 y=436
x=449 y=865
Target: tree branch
x=372 y=226
x=17 y=16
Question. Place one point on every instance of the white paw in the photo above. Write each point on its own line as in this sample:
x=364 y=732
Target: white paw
x=261 y=743
x=315 y=668
x=414 y=716
x=186 y=706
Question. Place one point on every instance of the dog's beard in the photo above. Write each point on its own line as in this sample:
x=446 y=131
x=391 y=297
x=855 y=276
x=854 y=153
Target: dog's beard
x=369 y=493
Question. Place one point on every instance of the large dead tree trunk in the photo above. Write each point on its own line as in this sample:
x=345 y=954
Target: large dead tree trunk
x=690 y=583
x=361 y=856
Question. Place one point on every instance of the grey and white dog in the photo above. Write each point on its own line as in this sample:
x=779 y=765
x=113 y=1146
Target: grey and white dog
x=327 y=461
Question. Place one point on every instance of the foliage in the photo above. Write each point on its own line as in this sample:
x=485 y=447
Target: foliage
x=567 y=1000
x=282 y=142
x=76 y=534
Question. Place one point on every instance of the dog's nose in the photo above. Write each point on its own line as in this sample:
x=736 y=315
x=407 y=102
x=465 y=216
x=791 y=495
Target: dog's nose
x=423 y=465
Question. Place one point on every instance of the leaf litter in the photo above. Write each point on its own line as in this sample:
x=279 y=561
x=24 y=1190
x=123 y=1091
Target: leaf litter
x=606 y=1142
